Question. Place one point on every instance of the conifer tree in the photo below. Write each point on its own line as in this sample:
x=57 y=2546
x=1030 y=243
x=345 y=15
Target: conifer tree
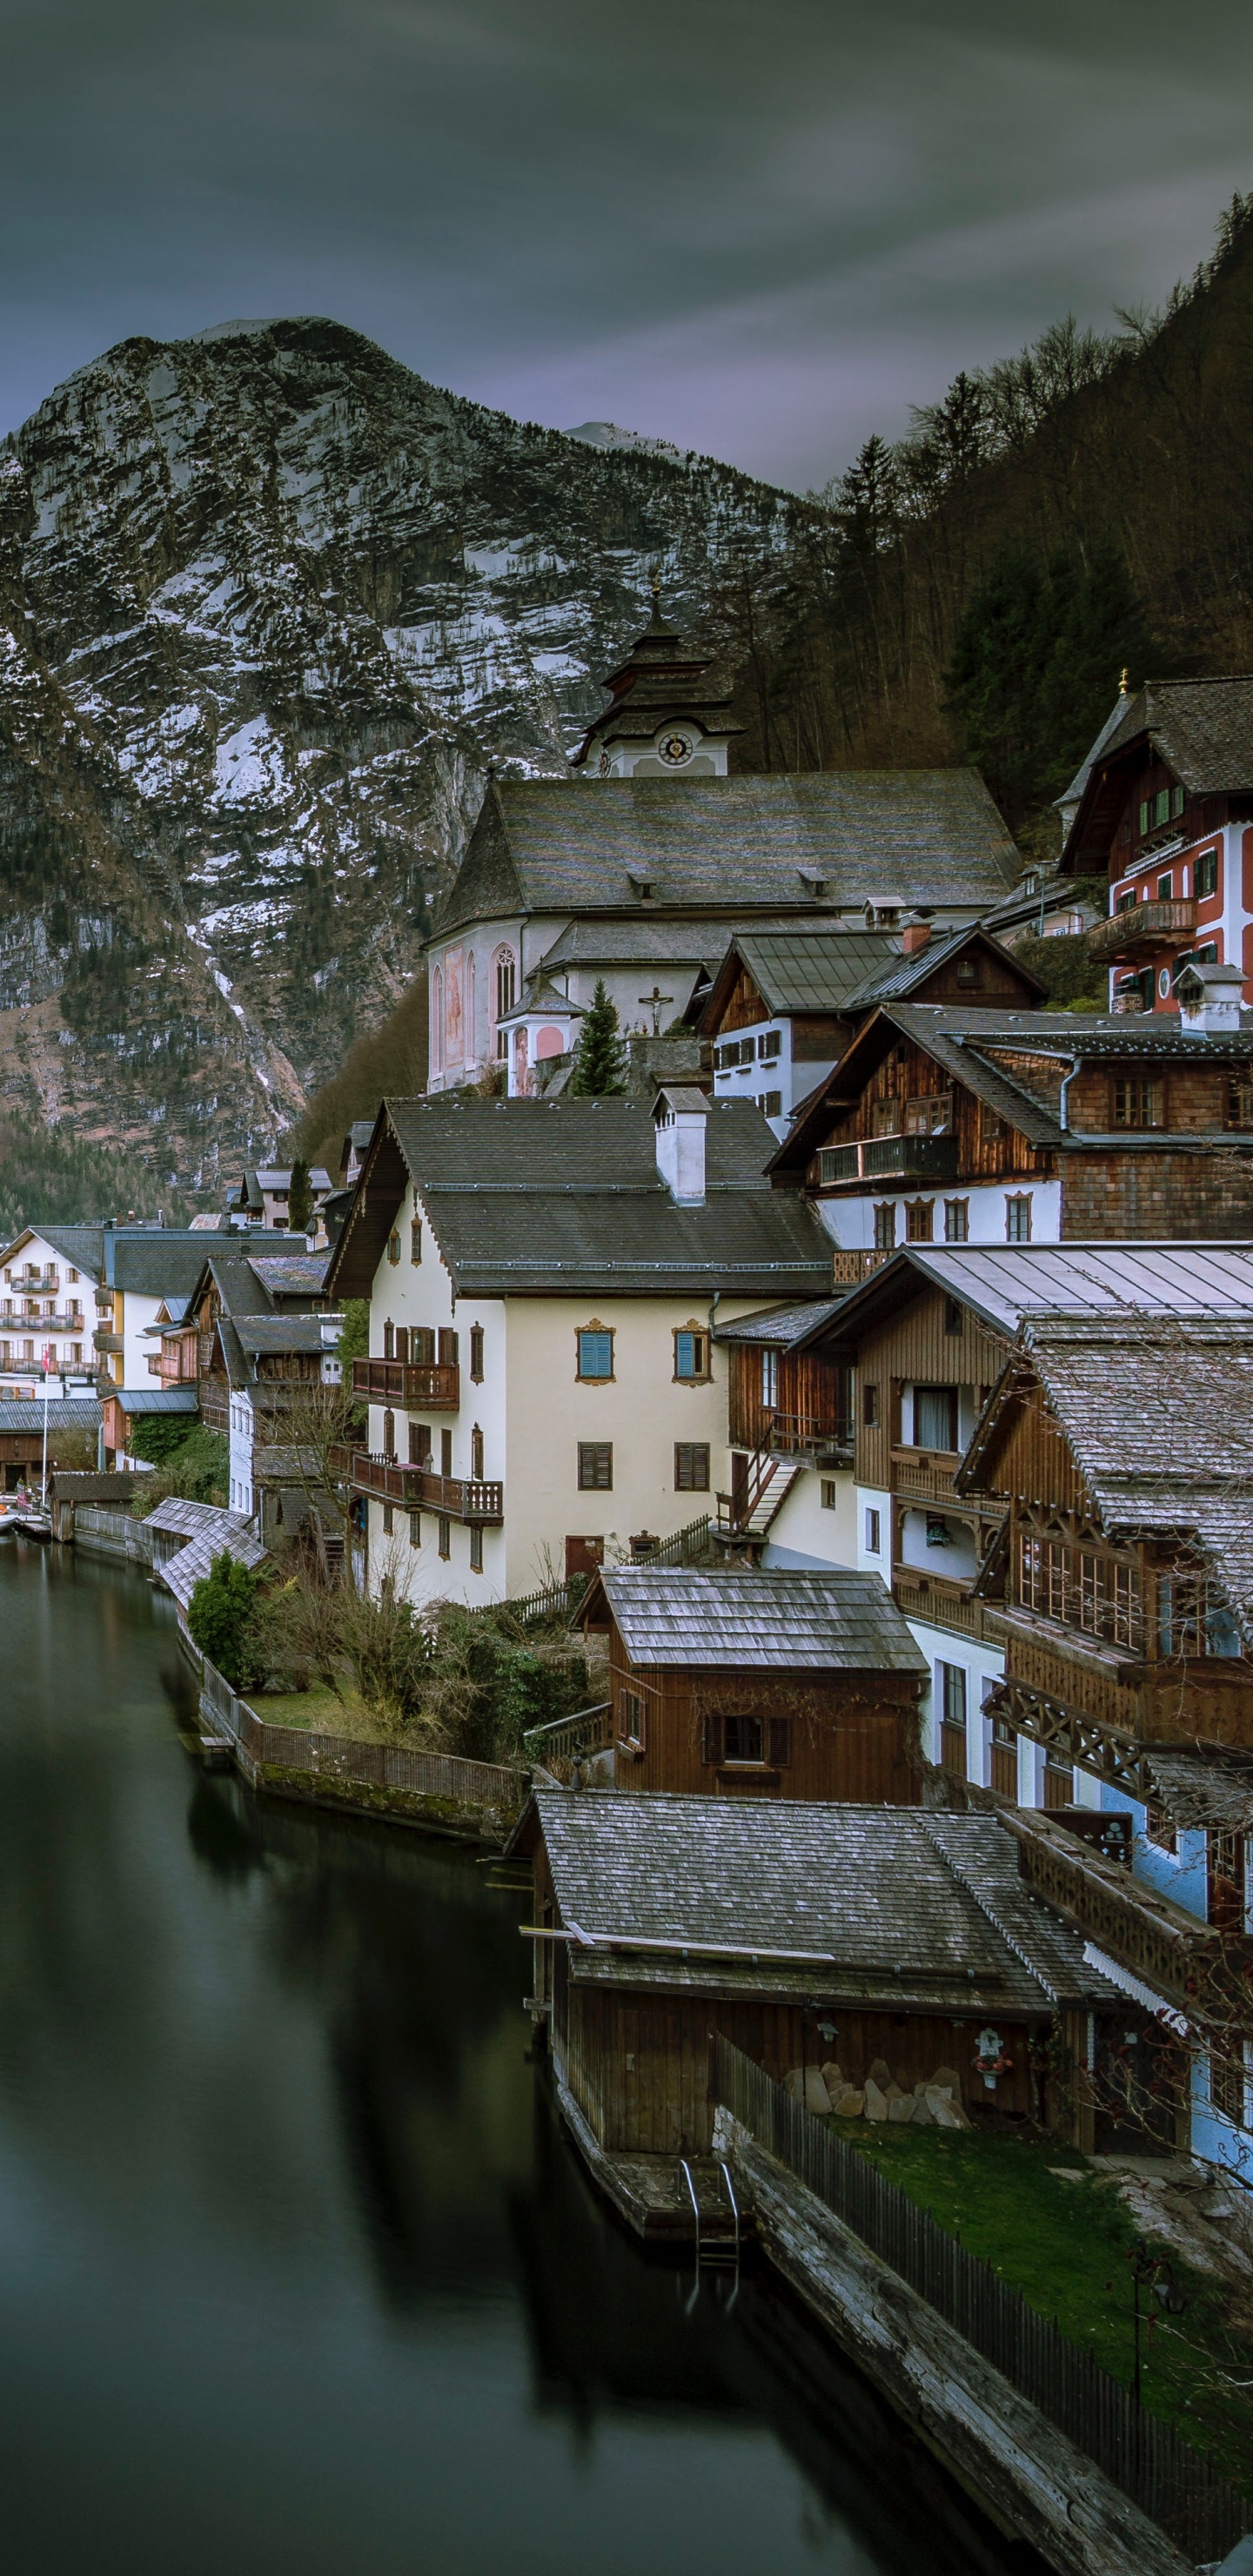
x=300 y=1199
x=599 y=1066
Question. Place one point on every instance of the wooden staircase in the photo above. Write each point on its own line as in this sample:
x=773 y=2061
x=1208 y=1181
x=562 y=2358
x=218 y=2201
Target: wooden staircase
x=745 y=1518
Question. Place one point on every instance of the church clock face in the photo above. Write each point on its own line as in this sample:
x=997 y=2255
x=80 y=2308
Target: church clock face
x=675 y=748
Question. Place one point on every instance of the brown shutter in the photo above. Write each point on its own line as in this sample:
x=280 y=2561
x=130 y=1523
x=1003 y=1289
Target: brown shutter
x=422 y=1346
x=711 y=1740
x=447 y=1348
x=779 y=1742
x=402 y=1344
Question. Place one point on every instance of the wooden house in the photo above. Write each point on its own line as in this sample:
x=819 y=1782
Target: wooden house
x=1120 y=1449
x=945 y=1124
x=786 y=1001
x=743 y=1684
x=807 y=1934
x=1162 y=808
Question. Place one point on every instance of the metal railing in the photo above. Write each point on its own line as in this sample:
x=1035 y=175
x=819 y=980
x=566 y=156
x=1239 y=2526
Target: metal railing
x=566 y=1739
x=489 y=1786
x=1170 y=2483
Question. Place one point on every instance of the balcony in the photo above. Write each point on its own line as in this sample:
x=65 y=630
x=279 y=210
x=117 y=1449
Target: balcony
x=942 y=1601
x=848 y=1269
x=435 y=1384
x=1062 y=1685
x=104 y=1340
x=887 y=1158
x=925 y=1475
x=1141 y=930
x=810 y=1435
x=459 y=1498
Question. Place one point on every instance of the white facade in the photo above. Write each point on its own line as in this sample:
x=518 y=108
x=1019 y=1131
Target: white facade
x=989 y=1211
x=527 y=1417
x=758 y=1064
x=46 y=1303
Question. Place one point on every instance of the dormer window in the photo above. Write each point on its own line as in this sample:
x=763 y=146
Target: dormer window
x=812 y=882
x=640 y=885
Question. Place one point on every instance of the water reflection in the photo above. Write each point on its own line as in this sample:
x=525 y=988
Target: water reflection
x=296 y=2271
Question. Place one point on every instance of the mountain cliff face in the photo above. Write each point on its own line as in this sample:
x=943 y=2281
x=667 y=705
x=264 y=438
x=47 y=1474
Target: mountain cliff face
x=270 y=605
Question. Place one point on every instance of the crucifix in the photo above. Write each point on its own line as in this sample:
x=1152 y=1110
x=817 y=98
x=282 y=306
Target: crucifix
x=653 y=1002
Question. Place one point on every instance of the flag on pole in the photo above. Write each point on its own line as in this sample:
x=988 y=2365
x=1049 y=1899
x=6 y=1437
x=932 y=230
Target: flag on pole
x=49 y=1356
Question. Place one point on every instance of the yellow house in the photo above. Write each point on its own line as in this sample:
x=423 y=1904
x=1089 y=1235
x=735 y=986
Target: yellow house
x=544 y=1281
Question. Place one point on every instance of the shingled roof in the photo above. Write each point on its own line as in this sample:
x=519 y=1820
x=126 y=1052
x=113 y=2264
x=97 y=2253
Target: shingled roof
x=733 y=846
x=1202 y=729
x=564 y=1197
x=977 y=1047
x=858 y=1903
x=835 y=1621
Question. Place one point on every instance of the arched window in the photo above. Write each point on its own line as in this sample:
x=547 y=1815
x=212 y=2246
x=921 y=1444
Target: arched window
x=505 y=971
x=437 y=1021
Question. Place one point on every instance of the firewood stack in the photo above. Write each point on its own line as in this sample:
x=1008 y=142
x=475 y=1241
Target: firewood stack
x=926 y=2102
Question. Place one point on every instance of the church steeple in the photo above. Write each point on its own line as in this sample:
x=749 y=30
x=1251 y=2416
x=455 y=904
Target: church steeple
x=668 y=716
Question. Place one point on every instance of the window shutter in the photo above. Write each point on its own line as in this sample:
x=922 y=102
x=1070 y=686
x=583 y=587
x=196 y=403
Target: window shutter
x=402 y=1344
x=422 y=1345
x=711 y=1740
x=447 y=1348
x=779 y=1742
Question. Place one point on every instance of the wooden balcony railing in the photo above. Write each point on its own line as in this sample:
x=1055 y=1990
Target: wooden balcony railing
x=848 y=1269
x=389 y=1480
x=925 y=1475
x=1055 y=1677
x=887 y=1158
x=944 y=1601
x=103 y=1341
x=434 y=1384
x=810 y=1435
x=1141 y=927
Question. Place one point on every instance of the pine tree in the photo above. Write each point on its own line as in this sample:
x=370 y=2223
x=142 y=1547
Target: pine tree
x=300 y=1200
x=1035 y=668
x=599 y=1065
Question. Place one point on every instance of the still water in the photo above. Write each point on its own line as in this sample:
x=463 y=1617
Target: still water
x=297 y=2275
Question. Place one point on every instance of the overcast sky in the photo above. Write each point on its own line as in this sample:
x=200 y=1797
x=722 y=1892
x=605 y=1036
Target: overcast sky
x=757 y=227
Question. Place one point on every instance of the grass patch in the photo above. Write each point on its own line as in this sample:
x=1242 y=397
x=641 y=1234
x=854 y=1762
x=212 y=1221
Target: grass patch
x=1066 y=2245
x=321 y=1711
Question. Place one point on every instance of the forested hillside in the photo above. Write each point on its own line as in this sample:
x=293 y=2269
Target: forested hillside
x=976 y=589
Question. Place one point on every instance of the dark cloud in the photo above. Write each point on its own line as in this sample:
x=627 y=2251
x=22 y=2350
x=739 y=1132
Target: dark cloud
x=759 y=227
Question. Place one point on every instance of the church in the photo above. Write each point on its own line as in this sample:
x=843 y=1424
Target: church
x=643 y=865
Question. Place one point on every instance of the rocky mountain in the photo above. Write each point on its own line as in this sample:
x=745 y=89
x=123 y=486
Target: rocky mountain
x=270 y=606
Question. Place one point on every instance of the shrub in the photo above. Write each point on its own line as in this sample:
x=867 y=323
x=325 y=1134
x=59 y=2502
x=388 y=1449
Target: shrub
x=196 y=1468
x=220 y=1616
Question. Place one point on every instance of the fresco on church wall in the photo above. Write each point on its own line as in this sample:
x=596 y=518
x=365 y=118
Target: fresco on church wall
x=454 y=1014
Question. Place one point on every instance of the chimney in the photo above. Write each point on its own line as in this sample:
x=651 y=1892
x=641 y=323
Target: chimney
x=1209 y=998
x=679 y=1116
x=917 y=933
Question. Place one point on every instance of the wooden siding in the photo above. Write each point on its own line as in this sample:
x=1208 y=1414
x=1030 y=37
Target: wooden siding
x=916 y=1349
x=851 y=1735
x=638 y=2063
x=810 y=1388
x=997 y=980
x=907 y=1072
x=744 y=1008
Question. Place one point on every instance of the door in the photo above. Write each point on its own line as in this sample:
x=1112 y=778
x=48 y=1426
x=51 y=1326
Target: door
x=583 y=1555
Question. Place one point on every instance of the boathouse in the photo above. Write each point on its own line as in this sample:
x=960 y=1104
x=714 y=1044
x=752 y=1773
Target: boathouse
x=739 y=1683
x=808 y=1934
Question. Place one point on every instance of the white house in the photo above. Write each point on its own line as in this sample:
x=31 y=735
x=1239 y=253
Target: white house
x=543 y=1277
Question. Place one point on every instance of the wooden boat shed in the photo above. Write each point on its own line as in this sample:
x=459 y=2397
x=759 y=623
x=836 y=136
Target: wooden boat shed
x=796 y=1683
x=804 y=1932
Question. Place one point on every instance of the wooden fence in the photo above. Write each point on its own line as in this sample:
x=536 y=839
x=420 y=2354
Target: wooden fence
x=560 y=1600
x=475 y=1800
x=1170 y=2483
x=105 y=1532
